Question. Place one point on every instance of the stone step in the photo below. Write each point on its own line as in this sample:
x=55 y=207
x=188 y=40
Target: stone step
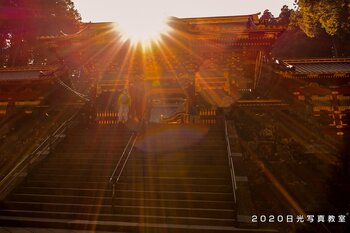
x=219 y=153
x=162 y=172
x=204 y=138
x=95 y=135
x=122 y=201
x=138 y=160
x=97 y=155
x=110 y=131
x=135 y=179
x=136 y=186
x=128 y=193
x=121 y=209
x=137 y=165
x=100 y=149
x=104 y=139
x=95 y=144
x=119 y=217
x=118 y=226
x=201 y=146
x=83 y=173
x=175 y=180
x=81 y=158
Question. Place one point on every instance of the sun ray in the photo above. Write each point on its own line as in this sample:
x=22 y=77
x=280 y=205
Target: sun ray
x=120 y=73
x=180 y=44
x=166 y=58
x=294 y=204
x=114 y=49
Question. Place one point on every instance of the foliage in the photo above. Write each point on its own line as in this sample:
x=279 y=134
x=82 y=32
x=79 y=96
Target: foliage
x=267 y=17
x=39 y=17
x=295 y=44
x=284 y=16
x=315 y=29
x=283 y=19
x=22 y=21
x=314 y=16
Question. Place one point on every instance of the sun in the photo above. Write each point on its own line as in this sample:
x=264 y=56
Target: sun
x=142 y=29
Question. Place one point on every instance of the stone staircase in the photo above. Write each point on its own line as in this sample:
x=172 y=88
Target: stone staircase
x=176 y=180
x=180 y=174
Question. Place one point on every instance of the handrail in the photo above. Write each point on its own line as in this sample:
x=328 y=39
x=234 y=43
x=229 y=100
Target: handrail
x=230 y=161
x=57 y=132
x=120 y=159
x=125 y=161
x=34 y=155
x=113 y=180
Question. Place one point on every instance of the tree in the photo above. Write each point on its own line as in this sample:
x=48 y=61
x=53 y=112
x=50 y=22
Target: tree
x=332 y=16
x=267 y=17
x=284 y=16
x=294 y=44
x=317 y=17
x=22 y=21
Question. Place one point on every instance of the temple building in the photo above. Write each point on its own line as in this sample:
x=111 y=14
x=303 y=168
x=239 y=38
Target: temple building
x=213 y=60
x=321 y=87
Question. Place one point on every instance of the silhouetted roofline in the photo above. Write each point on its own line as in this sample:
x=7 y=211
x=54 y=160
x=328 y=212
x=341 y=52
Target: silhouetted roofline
x=222 y=19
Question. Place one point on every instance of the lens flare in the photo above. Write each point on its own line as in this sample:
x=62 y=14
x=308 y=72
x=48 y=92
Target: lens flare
x=143 y=29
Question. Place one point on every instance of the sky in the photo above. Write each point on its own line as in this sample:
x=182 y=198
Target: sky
x=113 y=10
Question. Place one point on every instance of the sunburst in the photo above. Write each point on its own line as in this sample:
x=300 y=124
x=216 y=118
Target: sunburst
x=143 y=29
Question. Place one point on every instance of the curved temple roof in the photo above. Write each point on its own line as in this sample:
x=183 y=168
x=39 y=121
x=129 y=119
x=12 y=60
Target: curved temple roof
x=26 y=73
x=314 y=67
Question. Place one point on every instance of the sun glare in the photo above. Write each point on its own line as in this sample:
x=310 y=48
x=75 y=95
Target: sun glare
x=142 y=29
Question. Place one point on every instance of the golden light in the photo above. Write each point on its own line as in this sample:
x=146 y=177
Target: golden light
x=142 y=29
